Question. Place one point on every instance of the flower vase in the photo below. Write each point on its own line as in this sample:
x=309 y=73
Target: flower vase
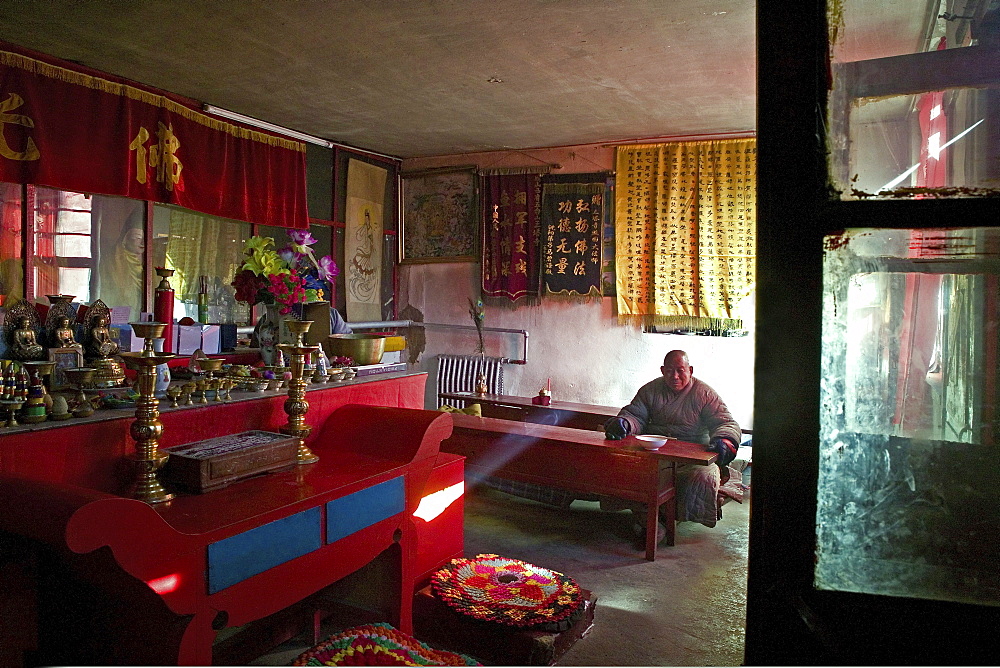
x=270 y=331
x=162 y=372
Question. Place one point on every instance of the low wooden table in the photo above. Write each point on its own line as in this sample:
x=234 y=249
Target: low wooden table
x=562 y=413
x=578 y=460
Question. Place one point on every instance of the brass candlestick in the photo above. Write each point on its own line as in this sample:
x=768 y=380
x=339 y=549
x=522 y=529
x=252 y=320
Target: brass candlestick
x=296 y=405
x=147 y=428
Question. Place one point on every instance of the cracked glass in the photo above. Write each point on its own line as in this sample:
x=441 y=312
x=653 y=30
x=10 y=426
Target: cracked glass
x=910 y=415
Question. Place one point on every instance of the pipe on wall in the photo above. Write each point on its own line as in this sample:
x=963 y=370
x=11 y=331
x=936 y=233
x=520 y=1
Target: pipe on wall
x=389 y=324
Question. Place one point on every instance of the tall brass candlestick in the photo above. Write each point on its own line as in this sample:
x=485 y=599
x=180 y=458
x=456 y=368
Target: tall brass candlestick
x=147 y=428
x=296 y=405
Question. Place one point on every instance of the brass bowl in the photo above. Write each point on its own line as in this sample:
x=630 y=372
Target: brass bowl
x=210 y=363
x=148 y=330
x=362 y=348
x=80 y=375
x=298 y=326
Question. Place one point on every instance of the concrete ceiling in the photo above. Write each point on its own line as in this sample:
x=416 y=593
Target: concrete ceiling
x=414 y=78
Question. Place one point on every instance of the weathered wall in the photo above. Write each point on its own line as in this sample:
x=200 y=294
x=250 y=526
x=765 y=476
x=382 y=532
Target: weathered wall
x=580 y=346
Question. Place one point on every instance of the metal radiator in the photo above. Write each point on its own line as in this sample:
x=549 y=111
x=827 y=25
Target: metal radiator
x=459 y=373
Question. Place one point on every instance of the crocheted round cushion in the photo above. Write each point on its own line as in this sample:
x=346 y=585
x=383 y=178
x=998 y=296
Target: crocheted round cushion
x=378 y=645
x=506 y=591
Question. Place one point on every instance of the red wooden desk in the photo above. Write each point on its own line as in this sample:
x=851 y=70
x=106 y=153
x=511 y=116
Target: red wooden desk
x=577 y=460
x=562 y=413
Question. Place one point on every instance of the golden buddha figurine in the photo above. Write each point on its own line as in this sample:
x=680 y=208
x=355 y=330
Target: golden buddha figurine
x=64 y=336
x=24 y=344
x=101 y=345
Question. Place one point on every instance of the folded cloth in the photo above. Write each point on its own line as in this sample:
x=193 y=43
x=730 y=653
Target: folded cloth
x=473 y=409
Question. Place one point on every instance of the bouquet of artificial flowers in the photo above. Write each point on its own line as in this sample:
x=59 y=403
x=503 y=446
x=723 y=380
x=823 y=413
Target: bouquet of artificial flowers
x=288 y=276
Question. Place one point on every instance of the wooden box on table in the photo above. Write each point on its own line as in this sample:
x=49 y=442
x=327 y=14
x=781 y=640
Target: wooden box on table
x=216 y=462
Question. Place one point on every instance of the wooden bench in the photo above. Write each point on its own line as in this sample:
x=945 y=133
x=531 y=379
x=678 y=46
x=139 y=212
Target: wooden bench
x=578 y=460
x=521 y=409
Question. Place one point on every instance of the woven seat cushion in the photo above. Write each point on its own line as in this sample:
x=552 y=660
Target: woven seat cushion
x=378 y=645
x=498 y=590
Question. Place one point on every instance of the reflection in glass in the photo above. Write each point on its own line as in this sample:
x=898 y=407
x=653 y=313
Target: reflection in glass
x=11 y=264
x=204 y=252
x=910 y=407
x=914 y=105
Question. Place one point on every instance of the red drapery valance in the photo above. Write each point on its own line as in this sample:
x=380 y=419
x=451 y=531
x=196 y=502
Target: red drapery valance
x=65 y=128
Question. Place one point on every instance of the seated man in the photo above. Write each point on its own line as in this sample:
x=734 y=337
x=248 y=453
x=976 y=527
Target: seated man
x=678 y=404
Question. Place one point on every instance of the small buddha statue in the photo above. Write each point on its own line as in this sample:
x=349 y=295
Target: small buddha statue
x=24 y=344
x=101 y=345
x=64 y=336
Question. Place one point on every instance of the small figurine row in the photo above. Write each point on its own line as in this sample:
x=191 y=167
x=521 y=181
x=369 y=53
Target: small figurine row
x=14 y=381
x=24 y=344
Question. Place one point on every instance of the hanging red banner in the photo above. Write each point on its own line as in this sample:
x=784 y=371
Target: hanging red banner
x=70 y=130
x=510 y=235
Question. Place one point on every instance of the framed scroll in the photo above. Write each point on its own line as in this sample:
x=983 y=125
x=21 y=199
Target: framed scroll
x=440 y=217
x=64 y=358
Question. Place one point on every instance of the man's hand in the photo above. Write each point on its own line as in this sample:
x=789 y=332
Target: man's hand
x=725 y=448
x=615 y=429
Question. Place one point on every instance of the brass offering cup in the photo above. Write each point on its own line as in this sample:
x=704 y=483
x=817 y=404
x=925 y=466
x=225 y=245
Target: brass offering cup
x=210 y=365
x=174 y=394
x=81 y=377
x=13 y=405
x=164 y=274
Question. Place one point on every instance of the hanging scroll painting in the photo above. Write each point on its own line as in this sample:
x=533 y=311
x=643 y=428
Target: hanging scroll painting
x=572 y=224
x=363 y=241
x=440 y=222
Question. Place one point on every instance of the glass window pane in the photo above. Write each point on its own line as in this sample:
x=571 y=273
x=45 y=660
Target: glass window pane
x=76 y=282
x=910 y=407
x=72 y=245
x=915 y=104
x=204 y=252
x=11 y=263
x=73 y=222
x=120 y=227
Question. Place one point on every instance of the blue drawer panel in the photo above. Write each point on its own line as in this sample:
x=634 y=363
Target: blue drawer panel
x=244 y=555
x=364 y=508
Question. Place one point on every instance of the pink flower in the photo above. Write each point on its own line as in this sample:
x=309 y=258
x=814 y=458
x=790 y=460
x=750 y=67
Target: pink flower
x=301 y=237
x=327 y=269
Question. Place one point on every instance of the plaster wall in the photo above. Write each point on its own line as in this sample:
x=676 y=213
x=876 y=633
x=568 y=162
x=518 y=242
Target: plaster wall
x=579 y=345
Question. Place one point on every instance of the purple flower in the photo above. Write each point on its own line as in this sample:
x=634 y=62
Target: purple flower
x=327 y=268
x=290 y=257
x=301 y=237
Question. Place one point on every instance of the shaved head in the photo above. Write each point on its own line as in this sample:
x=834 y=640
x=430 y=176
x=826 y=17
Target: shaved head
x=677 y=370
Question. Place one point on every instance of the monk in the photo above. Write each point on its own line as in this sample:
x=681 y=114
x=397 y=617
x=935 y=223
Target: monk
x=678 y=404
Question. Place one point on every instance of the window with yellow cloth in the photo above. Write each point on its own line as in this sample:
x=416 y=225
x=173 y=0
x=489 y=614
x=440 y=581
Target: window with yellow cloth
x=685 y=232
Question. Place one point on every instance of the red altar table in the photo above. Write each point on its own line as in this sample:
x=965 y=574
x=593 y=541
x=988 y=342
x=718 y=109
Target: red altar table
x=155 y=584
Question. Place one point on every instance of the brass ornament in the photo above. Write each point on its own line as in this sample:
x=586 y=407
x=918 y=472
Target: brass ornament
x=147 y=429
x=296 y=405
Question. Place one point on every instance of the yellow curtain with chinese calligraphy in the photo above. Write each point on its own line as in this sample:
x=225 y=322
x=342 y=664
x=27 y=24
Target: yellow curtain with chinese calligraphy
x=685 y=232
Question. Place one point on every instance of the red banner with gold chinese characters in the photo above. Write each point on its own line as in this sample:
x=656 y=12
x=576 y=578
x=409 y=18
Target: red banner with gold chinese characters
x=68 y=129
x=510 y=235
